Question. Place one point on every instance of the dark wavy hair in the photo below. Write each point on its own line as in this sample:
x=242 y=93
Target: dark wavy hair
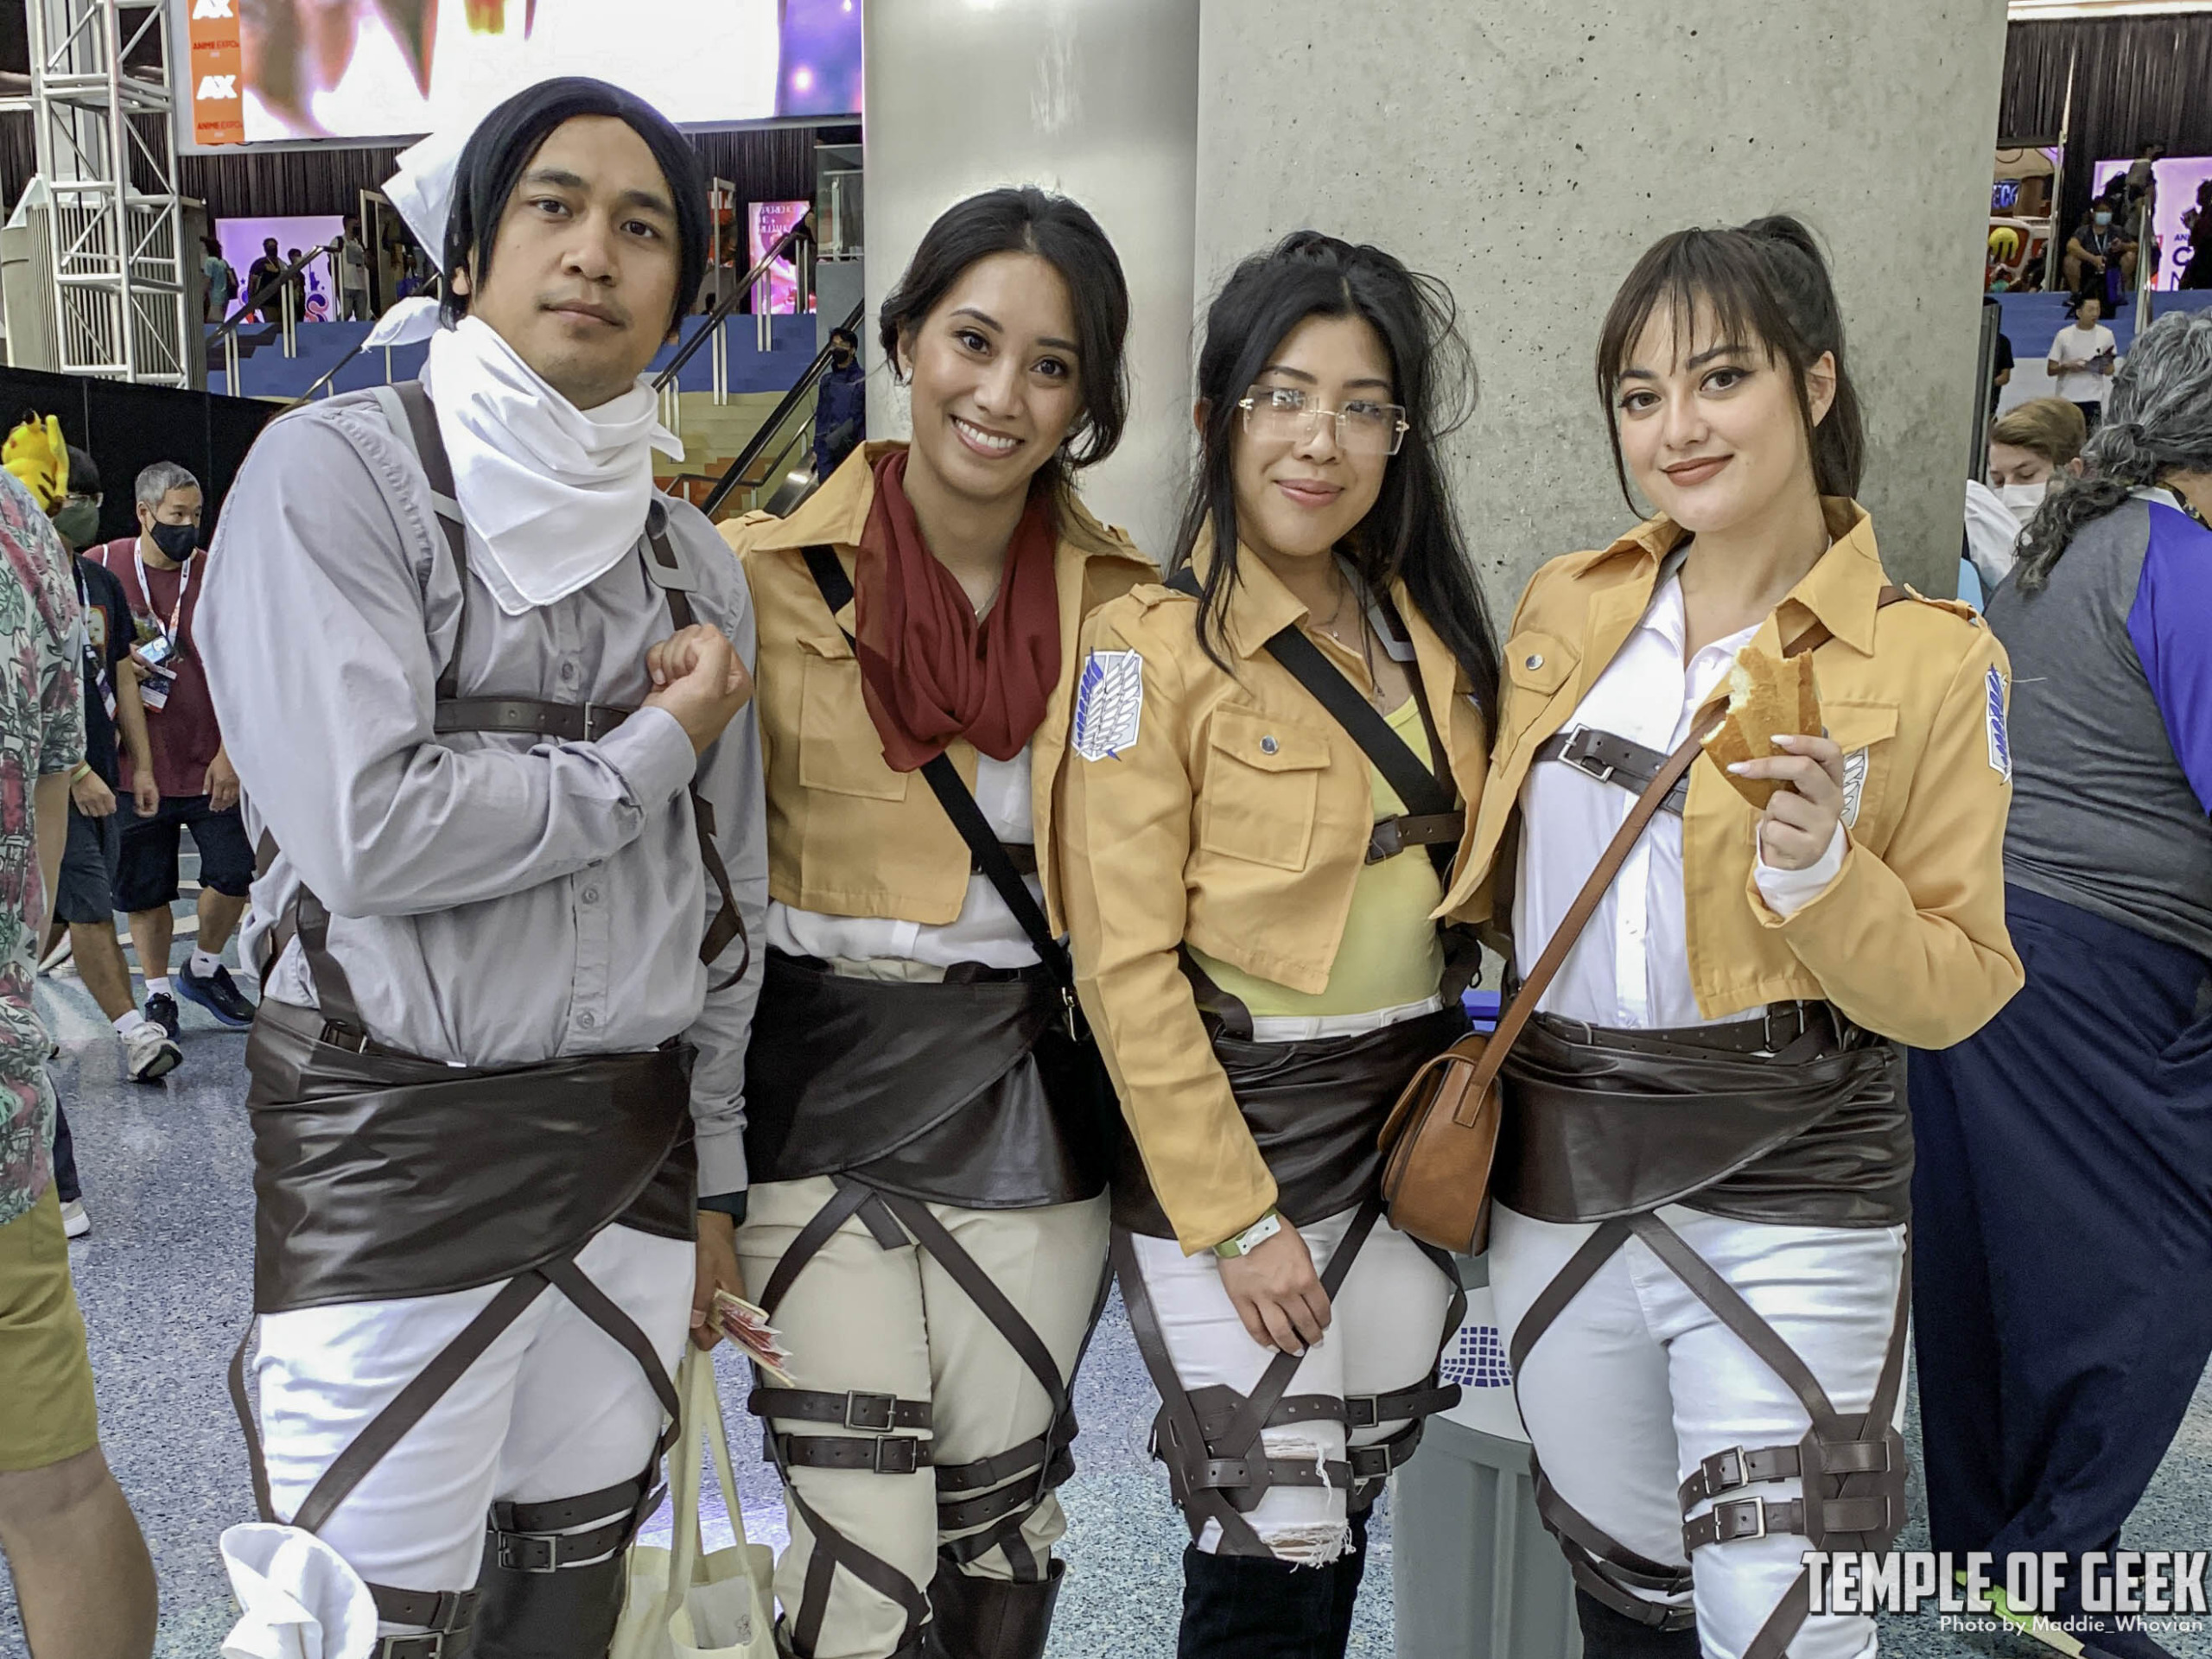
x=1061 y=232
x=1412 y=533
x=2158 y=420
x=500 y=147
x=1764 y=283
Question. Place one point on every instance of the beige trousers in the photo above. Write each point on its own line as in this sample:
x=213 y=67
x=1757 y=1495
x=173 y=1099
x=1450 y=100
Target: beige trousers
x=893 y=1321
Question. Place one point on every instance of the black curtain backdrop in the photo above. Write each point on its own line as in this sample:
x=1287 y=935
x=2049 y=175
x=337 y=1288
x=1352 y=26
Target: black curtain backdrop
x=2136 y=80
x=126 y=427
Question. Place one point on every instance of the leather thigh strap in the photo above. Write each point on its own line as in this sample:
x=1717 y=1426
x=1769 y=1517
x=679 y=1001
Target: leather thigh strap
x=1220 y=1476
x=1861 y=1454
x=893 y=1221
x=447 y=1610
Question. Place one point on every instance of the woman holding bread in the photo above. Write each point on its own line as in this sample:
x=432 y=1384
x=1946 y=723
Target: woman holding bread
x=1277 y=752
x=1698 y=1237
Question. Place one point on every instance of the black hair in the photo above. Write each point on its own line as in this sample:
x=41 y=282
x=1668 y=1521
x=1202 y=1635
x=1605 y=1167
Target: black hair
x=1411 y=534
x=84 y=472
x=1764 y=284
x=1062 y=232
x=848 y=335
x=500 y=147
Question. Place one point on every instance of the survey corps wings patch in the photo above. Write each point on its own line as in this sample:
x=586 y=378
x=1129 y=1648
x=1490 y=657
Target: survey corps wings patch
x=1109 y=703
x=2000 y=746
x=1854 y=785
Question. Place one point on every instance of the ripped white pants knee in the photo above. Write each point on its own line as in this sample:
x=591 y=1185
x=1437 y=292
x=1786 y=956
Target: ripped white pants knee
x=1386 y=1322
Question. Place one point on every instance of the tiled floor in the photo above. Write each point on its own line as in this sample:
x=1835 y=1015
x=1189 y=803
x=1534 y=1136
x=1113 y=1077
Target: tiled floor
x=164 y=1283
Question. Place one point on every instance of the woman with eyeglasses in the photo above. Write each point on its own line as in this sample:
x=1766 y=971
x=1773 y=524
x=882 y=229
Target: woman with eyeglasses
x=1276 y=754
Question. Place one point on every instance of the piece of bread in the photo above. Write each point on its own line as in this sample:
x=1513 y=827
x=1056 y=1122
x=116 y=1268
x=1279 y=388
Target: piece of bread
x=1767 y=698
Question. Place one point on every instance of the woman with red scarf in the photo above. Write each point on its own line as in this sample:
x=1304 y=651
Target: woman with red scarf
x=928 y=1118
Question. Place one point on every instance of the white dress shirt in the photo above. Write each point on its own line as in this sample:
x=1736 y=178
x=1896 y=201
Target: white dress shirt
x=1630 y=967
x=985 y=930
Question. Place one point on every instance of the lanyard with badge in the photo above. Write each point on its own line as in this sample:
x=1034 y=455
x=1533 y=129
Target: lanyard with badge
x=95 y=650
x=161 y=646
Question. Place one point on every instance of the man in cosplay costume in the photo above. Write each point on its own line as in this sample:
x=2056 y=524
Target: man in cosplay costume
x=509 y=832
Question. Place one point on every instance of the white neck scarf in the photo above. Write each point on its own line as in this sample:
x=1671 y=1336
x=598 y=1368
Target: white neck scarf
x=553 y=495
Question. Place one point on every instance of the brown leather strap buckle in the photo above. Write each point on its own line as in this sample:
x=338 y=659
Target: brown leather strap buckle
x=345 y=1037
x=870 y=1411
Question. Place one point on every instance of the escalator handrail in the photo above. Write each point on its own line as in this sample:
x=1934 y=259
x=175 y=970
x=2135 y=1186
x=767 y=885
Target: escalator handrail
x=276 y=284
x=761 y=439
x=729 y=302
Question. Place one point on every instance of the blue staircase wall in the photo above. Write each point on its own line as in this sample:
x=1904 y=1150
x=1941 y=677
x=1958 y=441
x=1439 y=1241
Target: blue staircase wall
x=265 y=371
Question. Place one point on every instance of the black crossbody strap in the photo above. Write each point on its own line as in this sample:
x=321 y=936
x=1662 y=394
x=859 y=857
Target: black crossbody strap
x=1416 y=785
x=431 y=450
x=943 y=779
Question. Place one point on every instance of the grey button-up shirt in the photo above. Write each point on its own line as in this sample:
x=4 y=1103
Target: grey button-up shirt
x=497 y=900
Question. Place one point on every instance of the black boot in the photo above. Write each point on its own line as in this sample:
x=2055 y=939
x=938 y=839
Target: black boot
x=1256 y=1607
x=569 y=1614
x=1608 y=1635
x=974 y=1618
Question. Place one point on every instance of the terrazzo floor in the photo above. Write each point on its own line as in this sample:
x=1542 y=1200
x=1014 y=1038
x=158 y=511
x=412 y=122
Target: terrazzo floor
x=164 y=1281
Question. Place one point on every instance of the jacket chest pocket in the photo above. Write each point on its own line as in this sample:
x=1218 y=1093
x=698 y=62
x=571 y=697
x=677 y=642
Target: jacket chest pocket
x=838 y=750
x=1262 y=788
x=1867 y=733
x=1537 y=665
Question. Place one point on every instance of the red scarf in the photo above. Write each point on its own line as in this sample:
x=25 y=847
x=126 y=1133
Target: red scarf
x=930 y=671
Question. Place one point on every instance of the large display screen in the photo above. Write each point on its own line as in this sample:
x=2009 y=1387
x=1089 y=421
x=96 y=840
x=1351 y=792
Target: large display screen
x=768 y=223
x=2179 y=178
x=271 y=70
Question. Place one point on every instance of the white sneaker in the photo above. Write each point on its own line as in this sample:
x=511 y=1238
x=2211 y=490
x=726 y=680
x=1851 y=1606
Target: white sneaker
x=75 y=1223
x=54 y=958
x=148 y=1053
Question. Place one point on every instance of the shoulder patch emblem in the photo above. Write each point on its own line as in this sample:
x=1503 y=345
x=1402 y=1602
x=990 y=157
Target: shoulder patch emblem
x=2000 y=746
x=1854 y=785
x=1109 y=703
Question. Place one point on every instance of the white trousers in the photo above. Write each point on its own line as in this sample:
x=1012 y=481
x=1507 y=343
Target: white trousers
x=1386 y=1323
x=1637 y=1380
x=553 y=1408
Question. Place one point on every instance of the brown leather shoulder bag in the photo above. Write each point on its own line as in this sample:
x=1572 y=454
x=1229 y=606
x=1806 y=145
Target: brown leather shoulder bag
x=1441 y=1137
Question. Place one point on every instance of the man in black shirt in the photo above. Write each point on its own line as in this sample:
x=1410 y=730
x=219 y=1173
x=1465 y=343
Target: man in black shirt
x=84 y=892
x=266 y=269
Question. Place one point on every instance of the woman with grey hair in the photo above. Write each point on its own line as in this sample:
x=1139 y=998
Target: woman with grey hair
x=2061 y=1205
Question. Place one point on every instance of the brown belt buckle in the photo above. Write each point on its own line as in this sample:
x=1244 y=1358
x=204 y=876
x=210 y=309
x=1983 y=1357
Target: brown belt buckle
x=338 y=1036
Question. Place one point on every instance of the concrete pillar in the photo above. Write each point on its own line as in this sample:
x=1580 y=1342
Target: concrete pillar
x=1526 y=155
x=1095 y=99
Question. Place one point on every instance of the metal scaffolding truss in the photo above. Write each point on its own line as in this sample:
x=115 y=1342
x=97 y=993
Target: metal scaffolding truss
x=100 y=100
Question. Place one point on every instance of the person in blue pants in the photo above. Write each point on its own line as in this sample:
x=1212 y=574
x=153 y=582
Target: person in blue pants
x=2062 y=1197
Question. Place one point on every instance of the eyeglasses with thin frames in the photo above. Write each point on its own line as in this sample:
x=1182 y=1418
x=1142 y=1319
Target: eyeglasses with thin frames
x=1287 y=413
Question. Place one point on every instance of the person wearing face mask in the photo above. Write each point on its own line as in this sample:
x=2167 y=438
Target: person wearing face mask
x=84 y=898
x=2053 y=1378
x=1279 y=752
x=507 y=801
x=163 y=577
x=841 y=406
x=1697 y=1223
x=2099 y=242
x=927 y=1114
x=2033 y=446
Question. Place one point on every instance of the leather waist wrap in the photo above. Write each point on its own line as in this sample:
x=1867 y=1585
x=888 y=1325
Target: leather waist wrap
x=1594 y=1129
x=1315 y=1109
x=966 y=1093
x=378 y=1176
